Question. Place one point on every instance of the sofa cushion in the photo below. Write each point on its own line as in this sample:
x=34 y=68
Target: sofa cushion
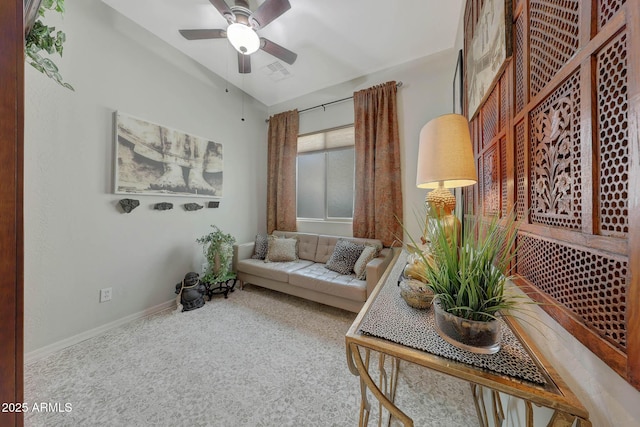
x=316 y=277
x=272 y=270
x=281 y=249
x=260 y=247
x=344 y=256
x=307 y=243
x=360 y=267
x=326 y=244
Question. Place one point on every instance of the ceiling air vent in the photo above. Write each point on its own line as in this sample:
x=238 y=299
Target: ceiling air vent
x=276 y=71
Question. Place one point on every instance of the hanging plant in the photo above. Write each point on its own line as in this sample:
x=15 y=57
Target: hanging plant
x=41 y=38
x=218 y=251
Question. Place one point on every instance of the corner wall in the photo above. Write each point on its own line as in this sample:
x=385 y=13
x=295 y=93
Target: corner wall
x=77 y=241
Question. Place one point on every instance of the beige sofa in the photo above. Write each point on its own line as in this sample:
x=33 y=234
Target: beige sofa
x=307 y=277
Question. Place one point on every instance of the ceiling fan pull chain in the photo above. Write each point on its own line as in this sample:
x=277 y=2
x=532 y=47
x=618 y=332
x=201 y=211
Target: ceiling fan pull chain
x=242 y=119
x=226 y=83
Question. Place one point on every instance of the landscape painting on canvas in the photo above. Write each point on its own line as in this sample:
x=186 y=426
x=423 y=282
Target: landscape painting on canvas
x=153 y=159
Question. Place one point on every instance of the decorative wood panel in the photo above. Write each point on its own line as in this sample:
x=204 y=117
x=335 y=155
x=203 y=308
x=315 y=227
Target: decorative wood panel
x=553 y=31
x=567 y=111
x=475 y=133
x=555 y=158
x=518 y=4
x=613 y=137
x=504 y=103
x=490 y=182
x=504 y=197
x=606 y=10
x=468 y=200
x=592 y=285
x=519 y=40
x=490 y=119
x=521 y=190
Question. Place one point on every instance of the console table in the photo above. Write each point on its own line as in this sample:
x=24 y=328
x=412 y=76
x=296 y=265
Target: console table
x=518 y=370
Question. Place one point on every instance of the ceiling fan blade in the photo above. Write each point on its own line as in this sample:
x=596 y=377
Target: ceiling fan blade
x=244 y=63
x=224 y=10
x=267 y=12
x=203 y=34
x=278 y=51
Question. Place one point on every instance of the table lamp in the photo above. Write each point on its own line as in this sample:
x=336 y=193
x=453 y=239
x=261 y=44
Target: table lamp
x=445 y=160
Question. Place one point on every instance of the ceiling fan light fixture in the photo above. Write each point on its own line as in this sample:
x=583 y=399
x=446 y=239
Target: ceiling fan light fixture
x=243 y=38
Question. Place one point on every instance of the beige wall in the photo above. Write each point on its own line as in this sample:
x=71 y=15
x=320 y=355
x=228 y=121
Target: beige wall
x=76 y=239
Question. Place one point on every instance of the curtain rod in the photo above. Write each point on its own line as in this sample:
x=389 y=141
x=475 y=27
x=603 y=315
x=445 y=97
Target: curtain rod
x=398 y=84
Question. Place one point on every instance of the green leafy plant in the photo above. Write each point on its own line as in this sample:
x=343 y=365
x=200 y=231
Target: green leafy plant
x=43 y=38
x=217 y=248
x=468 y=277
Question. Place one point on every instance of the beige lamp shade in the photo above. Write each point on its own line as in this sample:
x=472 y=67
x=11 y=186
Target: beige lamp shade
x=445 y=155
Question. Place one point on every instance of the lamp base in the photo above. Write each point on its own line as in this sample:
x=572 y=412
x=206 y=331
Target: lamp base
x=441 y=203
x=441 y=199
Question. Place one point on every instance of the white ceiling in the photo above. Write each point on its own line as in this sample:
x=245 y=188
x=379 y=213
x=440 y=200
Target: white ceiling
x=336 y=40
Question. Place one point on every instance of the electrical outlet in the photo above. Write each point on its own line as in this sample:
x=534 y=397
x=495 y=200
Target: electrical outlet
x=105 y=294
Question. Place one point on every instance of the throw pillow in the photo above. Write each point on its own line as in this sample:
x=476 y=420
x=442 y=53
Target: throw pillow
x=360 y=267
x=344 y=256
x=261 y=246
x=281 y=249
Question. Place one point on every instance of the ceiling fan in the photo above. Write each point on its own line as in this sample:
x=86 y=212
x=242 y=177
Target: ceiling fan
x=242 y=28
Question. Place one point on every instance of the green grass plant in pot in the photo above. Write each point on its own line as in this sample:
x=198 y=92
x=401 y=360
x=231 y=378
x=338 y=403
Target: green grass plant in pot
x=468 y=275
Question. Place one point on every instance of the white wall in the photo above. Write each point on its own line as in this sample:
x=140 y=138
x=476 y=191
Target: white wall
x=425 y=93
x=77 y=241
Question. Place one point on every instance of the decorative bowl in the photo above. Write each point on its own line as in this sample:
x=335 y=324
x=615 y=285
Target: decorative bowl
x=415 y=293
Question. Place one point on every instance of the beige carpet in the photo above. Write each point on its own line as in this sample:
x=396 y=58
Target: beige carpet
x=259 y=358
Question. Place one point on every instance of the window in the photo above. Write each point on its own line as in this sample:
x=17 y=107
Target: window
x=326 y=164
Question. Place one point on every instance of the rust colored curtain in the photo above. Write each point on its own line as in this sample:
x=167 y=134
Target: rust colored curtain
x=378 y=192
x=281 y=171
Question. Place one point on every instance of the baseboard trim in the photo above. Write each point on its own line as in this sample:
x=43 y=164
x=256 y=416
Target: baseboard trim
x=47 y=350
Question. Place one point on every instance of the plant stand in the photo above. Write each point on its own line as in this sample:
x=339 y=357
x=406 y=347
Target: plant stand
x=223 y=286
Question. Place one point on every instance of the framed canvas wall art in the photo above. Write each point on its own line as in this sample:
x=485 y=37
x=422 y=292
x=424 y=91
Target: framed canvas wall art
x=154 y=159
x=488 y=51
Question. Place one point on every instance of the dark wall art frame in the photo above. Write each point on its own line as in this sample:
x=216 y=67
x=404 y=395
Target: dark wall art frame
x=458 y=85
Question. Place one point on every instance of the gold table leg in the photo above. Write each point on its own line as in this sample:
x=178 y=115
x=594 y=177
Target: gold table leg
x=558 y=419
x=361 y=369
x=386 y=390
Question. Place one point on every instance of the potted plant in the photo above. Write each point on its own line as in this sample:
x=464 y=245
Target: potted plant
x=467 y=275
x=218 y=252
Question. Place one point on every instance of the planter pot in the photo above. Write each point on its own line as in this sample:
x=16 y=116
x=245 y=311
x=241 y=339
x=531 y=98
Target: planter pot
x=470 y=335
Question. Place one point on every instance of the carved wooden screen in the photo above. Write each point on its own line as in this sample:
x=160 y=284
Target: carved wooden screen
x=556 y=141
